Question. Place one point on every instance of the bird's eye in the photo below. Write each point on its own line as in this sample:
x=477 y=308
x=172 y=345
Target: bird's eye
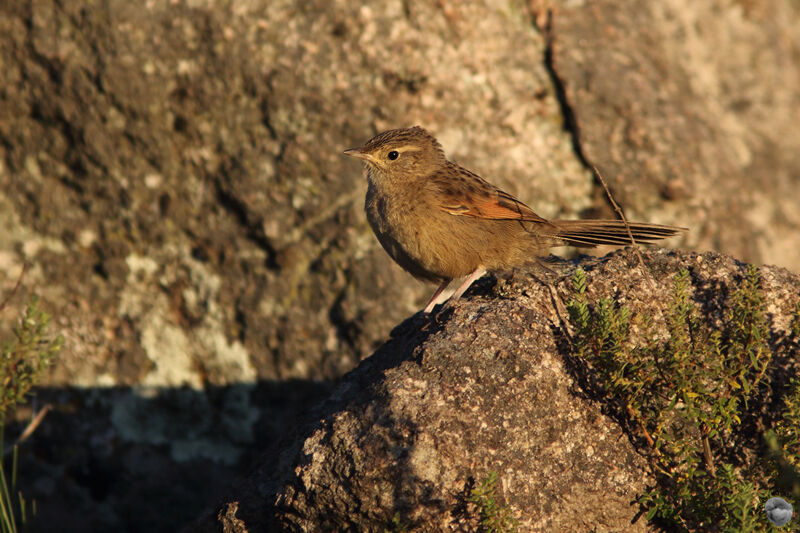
x=394 y=154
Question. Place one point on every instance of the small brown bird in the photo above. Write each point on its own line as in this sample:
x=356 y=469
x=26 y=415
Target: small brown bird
x=439 y=221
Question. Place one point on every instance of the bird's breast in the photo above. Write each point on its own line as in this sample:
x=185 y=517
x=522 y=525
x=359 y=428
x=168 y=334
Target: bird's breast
x=399 y=221
x=392 y=216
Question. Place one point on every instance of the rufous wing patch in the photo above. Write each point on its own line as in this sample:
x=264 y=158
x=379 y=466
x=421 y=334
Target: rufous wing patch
x=497 y=205
x=461 y=192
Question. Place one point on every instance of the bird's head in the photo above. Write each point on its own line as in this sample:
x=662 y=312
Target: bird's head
x=403 y=153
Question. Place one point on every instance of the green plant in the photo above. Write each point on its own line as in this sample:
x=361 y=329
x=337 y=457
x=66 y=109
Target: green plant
x=9 y=512
x=22 y=362
x=783 y=444
x=396 y=525
x=495 y=514
x=788 y=428
x=796 y=324
x=684 y=396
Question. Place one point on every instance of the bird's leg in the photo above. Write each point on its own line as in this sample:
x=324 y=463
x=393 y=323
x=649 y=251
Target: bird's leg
x=435 y=298
x=477 y=273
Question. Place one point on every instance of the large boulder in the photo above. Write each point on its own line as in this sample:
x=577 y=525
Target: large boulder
x=493 y=386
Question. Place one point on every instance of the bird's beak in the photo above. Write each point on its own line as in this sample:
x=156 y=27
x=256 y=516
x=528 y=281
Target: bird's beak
x=356 y=152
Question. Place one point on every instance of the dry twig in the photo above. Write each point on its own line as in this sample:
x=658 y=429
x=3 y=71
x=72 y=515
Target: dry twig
x=16 y=286
x=627 y=226
x=37 y=420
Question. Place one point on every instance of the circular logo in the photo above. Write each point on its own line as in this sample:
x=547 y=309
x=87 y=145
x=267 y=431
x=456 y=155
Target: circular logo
x=779 y=511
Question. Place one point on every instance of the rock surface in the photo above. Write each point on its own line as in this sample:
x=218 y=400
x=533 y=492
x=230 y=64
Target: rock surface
x=172 y=173
x=669 y=101
x=487 y=386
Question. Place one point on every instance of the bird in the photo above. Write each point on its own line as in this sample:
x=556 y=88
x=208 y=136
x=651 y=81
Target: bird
x=440 y=222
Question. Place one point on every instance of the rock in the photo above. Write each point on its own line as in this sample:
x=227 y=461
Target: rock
x=667 y=100
x=491 y=386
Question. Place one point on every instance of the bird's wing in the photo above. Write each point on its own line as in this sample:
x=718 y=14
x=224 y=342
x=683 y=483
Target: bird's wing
x=461 y=192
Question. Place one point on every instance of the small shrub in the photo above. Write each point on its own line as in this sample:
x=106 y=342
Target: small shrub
x=685 y=396
x=22 y=362
x=495 y=514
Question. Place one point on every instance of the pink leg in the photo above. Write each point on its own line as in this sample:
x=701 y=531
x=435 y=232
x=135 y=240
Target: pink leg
x=477 y=273
x=435 y=298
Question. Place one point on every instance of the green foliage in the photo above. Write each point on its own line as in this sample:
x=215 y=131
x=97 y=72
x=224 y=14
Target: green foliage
x=22 y=362
x=602 y=332
x=495 y=515
x=796 y=324
x=783 y=444
x=788 y=428
x=24 y=359
x=9 y=513
x=685 y=395
x=396 y=525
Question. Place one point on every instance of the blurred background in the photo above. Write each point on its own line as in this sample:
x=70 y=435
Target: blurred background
x=171 y=173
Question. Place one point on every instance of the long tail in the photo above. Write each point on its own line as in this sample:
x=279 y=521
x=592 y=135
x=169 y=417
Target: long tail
x=588 y=233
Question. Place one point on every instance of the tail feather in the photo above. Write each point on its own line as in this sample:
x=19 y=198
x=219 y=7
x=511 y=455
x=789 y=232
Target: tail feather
x=588 y=233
